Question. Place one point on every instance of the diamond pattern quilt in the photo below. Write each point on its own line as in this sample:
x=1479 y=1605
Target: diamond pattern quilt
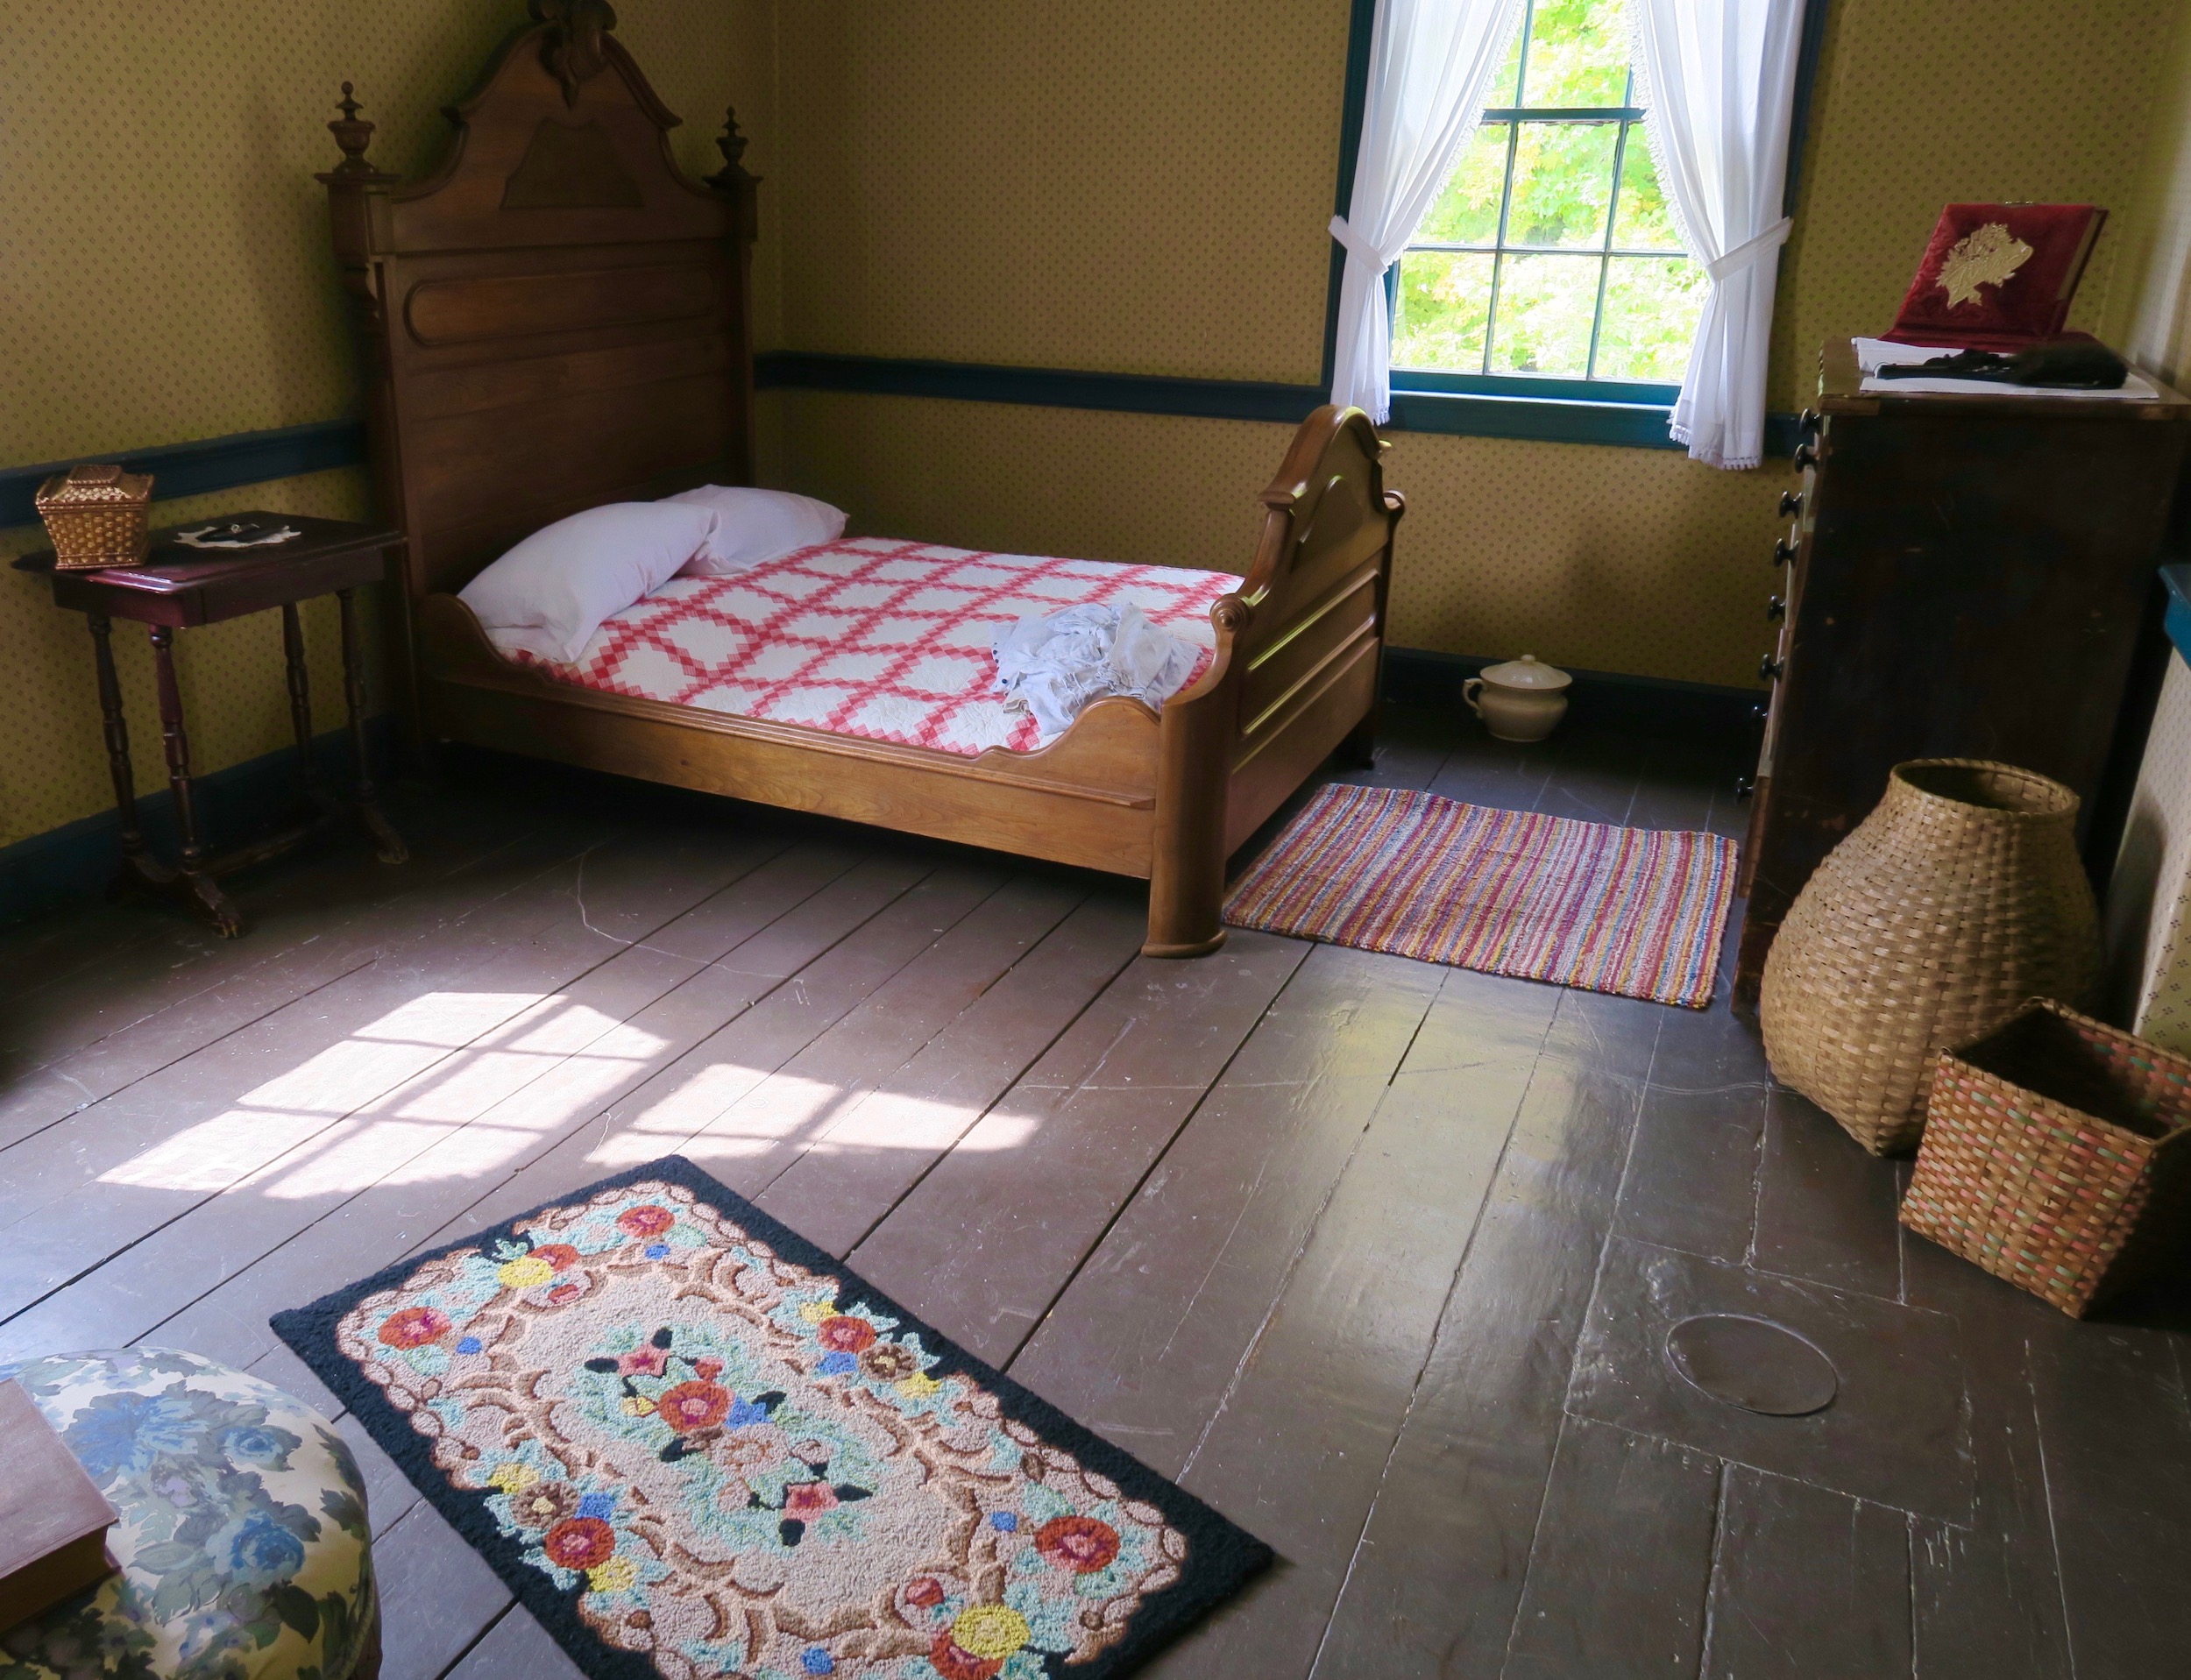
x=870 y=637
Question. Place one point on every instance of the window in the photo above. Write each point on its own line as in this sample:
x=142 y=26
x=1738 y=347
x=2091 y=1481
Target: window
x=1550 y=251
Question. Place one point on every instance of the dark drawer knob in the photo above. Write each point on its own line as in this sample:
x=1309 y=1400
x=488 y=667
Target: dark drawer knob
x=1776 y=610
x=1769 y=669
x=1745 y=786
x=1791 y=504
x=1807 y=422
x=1806 y=457
x=1783 y=551
x=1759 y=713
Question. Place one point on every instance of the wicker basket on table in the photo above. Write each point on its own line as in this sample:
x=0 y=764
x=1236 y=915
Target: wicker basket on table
x=2057 y=1155
x=96 y=515
x=1957 y=899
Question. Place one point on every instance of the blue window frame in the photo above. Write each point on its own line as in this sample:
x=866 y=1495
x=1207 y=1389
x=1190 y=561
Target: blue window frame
x=1550 y=265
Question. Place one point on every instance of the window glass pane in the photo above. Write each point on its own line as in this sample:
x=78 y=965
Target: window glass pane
x=1643 y=222
x=1563 y=180
x=1505 y=87
x=1651 y=308
x=1578 y=54
x=1466 y=211
x=1545 y=306
x=1444 y=300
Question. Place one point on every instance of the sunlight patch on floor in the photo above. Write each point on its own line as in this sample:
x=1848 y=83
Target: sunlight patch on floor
x=435 y=1068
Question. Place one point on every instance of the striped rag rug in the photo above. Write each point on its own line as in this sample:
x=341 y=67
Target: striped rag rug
x=1634 y=911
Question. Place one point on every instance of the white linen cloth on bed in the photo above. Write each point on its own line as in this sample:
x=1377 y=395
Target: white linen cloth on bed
x=866 y=636
x=1053 y=666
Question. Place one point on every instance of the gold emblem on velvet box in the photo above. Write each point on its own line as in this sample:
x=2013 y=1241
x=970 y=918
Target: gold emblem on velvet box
x=1987 y=256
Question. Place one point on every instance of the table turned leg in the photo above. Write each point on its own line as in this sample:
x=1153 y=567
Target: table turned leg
x=191 y=863
x=389 y=846
x=136 y=859
x=299 y=702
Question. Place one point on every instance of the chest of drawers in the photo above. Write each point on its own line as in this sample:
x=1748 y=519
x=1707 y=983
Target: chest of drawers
x=1963 y=576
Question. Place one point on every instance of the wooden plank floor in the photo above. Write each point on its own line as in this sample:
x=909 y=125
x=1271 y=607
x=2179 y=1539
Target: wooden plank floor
x=1374 y=1255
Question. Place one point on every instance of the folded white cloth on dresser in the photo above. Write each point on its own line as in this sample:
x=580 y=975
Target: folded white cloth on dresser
x=1052 y=666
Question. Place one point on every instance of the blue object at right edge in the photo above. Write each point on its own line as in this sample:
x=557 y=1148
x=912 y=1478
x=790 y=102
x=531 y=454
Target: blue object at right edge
x=2177 y=580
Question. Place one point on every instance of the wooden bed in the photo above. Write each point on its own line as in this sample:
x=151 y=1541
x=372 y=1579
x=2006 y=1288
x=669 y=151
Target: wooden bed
x=559 y=317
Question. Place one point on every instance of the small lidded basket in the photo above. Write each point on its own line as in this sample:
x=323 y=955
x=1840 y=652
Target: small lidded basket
x=96 y=515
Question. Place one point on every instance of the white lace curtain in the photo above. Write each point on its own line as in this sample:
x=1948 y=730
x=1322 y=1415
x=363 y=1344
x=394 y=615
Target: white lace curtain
x=1430 y=62
x=1717 y=78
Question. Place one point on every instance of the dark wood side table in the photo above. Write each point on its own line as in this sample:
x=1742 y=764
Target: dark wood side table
x=179 y=587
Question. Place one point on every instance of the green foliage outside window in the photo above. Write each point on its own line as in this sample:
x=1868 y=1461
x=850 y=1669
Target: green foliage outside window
x=1551 y=249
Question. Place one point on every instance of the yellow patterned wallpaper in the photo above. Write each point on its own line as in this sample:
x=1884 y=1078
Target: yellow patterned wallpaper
x=1143 y=187
x=1136 y=186
x=166 y=276
x=1632 y=560
x=1920 y=105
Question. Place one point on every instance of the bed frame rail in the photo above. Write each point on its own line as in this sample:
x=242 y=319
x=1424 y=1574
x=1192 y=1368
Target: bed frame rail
x=558 y=317
x=1295 y=676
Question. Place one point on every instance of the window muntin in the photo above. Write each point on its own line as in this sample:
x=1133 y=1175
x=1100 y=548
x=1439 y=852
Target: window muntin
x=1550 y=251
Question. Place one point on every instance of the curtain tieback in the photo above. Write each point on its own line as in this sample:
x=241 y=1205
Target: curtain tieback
x=1749 y=250
x=1358 y=246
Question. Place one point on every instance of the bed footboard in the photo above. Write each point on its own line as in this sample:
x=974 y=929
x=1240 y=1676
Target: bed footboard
x=1294 y=677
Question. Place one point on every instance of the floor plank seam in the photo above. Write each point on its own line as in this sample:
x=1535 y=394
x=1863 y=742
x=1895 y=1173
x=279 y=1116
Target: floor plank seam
x=944 y=1154
x=1277 y=1296
x=1011 y=1084
x=1909 y=1582
x=439 y=1062
x=473 y=1644
x=92 y=1102
x=1537 y=1534
x=1832 y=1288
x=1316 y=1218
x=1709 y=1624
x=369 y=955
x=2046 y=1491
x=1430 y=1352
x=1293 y=1262
x=1156 y=1158
x=216 y=948
x=608 y=1115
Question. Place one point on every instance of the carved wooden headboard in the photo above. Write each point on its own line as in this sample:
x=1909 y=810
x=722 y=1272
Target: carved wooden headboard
x=558 y=316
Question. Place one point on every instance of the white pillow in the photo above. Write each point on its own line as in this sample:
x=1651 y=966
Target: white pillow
x=550 y=593
x=758 y=525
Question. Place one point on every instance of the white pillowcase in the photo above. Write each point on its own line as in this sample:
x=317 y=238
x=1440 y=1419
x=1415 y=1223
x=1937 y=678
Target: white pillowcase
x=758 y=525
x=548 y=595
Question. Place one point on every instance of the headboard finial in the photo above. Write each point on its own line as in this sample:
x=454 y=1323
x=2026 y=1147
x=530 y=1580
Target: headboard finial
x=572 y=50
x=731 y=145
x=354 y=135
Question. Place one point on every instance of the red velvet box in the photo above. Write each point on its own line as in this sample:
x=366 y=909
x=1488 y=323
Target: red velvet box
x=1998 y=276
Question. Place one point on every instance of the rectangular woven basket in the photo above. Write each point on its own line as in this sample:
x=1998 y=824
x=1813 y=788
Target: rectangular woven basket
x=2054 y=1155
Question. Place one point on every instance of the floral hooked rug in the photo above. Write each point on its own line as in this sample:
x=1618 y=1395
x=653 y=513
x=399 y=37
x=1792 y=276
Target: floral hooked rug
x=1634 y=911
x=693 y=1444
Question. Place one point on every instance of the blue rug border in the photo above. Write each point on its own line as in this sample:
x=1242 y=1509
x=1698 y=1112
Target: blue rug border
x=1223 y=1557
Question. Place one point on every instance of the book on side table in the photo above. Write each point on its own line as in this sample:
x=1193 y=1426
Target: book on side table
x=54 y=1521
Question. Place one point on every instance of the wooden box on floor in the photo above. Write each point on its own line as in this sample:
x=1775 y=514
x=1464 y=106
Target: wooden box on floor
x=1969 y=577
x=53 y=1522
x=2057 y=1155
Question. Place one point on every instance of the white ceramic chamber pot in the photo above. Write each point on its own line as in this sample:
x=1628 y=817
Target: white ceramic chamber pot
x=1522 y=699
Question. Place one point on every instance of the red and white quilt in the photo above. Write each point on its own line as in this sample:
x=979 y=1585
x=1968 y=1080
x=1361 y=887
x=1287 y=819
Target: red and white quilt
x=870 y=637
